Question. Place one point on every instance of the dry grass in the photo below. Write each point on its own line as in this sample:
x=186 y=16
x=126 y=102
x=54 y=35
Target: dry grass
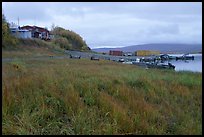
x=32 y=48
x=87 y=97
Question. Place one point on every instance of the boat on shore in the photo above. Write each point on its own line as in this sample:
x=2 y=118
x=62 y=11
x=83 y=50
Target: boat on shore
x=185 y=57
x=74 y=56
x=167 y=57
x=142 y=64
x=94 y=58
x=154 y=65
x=160 y=66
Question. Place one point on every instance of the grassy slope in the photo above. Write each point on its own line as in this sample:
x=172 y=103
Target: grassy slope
x=32 y=49
x=98 y=97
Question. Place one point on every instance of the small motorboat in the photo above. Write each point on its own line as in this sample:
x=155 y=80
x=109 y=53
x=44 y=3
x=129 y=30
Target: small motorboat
x=160 y=66
x=185 y=57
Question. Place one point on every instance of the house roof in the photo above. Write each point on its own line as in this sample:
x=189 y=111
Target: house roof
x=21 y=30
x=36 y=28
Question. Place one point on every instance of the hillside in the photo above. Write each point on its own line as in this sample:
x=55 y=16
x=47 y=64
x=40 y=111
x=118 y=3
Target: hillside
x=163 y=47
x=69 y=40
x=64 y=39
x=32 y=48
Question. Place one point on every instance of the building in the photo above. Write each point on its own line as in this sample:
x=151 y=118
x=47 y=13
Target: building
x=115 y=53
x=127 y=54
x=38 y=32
x=18 y=32
x=146 y=53
x=21 y=33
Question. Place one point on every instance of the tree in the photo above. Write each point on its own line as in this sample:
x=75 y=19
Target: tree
x=63 y=43
x=53 y=26
x=75 y=40
x=7 y=38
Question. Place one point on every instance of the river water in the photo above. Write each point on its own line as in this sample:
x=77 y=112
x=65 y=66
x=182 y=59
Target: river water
x=189 y=65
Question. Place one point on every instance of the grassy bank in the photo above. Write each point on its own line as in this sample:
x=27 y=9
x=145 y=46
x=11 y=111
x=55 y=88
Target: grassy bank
x=98 y=97
x=27 y=48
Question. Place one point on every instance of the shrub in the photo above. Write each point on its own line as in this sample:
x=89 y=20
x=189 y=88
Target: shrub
x=63 y=43
x=7 y=39
x=75 y=40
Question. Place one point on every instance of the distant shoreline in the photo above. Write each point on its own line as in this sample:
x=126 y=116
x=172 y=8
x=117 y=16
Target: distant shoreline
x=162 y=47
x=180 y=52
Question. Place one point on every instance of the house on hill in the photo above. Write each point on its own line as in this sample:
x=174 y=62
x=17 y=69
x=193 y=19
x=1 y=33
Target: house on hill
x=38 y=32
x=30 y=32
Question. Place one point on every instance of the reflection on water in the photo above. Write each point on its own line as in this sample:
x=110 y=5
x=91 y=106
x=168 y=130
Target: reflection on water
x=188 y=65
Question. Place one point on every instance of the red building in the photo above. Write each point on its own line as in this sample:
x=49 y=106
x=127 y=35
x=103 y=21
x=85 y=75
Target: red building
x=38 y=32
x=115 y=53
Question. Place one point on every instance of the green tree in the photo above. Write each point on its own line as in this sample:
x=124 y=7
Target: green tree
x=62 y=42
x=7 y=39
x=75 y=40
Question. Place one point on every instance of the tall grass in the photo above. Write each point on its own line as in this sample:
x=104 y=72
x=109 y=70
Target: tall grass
x=87 y=97
x=32 y=48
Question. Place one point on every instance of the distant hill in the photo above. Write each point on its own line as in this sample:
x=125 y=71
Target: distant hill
x=162 y=47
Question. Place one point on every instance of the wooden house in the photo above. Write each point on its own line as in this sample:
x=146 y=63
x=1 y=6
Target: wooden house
x=38 y=32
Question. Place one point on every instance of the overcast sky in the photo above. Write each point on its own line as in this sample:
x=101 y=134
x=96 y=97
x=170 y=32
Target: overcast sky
x=105 y=24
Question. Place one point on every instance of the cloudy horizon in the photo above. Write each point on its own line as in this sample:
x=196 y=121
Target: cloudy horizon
x=115 y=24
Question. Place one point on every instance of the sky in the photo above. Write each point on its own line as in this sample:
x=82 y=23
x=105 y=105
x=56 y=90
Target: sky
x=115 y=24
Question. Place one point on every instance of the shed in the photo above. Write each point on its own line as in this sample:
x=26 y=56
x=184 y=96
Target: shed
x=21 y=33
x=115 y=53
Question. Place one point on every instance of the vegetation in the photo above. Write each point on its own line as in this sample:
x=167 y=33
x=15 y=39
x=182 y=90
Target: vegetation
x=68 y=96
x=65 y=96
x=7 y=39
x=27 y=48
x=62 y=43
x=68 y=39
x=63 y=39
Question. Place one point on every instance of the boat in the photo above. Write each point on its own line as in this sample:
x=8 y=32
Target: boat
x=172 y=57
x=142 y=64
x=160 y=66
x=75 y=56
x=147 y=59
x=121 y=60
x=164 y=57
x=127 y=62
x=167 y=57
x=185 y=57
x=94 y=58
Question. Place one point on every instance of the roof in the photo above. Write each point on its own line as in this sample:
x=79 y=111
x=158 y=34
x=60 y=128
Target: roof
x=21 y=30
x=40 y=29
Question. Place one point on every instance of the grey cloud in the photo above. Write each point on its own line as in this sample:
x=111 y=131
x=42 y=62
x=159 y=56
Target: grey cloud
x=163 y=29
x=26 y=11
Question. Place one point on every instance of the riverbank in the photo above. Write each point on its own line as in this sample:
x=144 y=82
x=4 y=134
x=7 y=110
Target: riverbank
x=71 y=96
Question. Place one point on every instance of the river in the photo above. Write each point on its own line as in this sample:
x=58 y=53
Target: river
x=189 y=65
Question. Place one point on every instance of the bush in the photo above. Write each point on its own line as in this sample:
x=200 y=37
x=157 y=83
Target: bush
x=63 y=43
x=7 y=39
x=75 y=40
